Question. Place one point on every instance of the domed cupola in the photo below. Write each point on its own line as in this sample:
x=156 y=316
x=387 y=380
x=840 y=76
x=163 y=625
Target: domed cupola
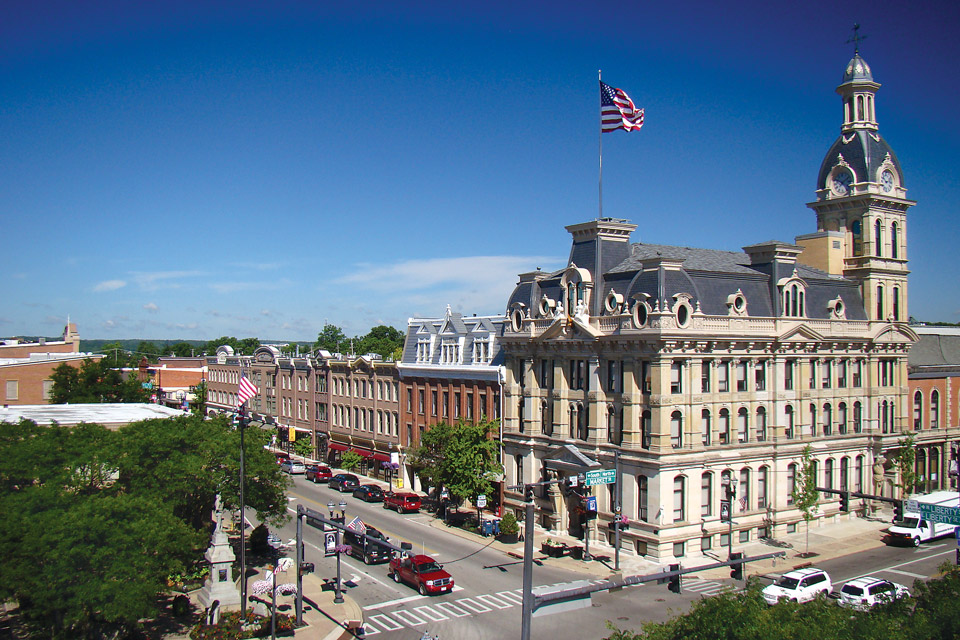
x=859 y=160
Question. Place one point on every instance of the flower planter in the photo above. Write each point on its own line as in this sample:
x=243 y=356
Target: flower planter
x=553 y=551
x=508 y=538
x=576 y=553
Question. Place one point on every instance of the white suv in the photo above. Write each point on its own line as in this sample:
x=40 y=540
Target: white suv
x=800 y=585
x=866 y=592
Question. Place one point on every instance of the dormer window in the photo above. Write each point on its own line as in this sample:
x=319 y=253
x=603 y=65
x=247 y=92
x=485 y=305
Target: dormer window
x=576 y=284
x=450 y=352
x=482 y=350
x=423 y=350
x=794 y=298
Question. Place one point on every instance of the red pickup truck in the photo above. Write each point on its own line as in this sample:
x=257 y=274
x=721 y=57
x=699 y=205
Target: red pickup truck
x=422 y=572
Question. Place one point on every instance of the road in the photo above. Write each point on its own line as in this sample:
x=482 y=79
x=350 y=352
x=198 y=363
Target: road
x=486 y=601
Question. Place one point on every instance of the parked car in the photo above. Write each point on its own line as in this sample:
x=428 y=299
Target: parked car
x=318 y=473
x=422 y=572
x=344 y=482
x=869 y=591
x=282 y=457
x=402 y=502
x=800 y=585
x=362 y=548
x=369 y=493
x=293 y=467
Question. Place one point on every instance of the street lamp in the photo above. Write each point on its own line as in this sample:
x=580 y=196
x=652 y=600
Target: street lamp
x=338 y=599
x=728 y=484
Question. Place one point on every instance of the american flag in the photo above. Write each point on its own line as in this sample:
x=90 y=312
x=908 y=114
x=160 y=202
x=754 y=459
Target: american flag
x=357 y=525
x=246 y=391
x=743 y=503
x=617 y=110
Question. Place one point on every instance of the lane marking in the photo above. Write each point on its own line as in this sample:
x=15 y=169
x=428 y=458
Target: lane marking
x=388 y=623
x=907 y=573
x=369 y=630
x=429 y=612
x=409 y=617
x=517 y=598
x=902 y=564
x=453 y=609
x=490 y=599
x=390 y=603
x=476 y=607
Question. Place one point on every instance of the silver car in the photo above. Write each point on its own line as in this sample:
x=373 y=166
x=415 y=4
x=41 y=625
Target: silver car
x=292 y=467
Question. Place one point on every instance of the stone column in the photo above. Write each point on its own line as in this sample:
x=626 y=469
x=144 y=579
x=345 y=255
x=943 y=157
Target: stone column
x=219 y=585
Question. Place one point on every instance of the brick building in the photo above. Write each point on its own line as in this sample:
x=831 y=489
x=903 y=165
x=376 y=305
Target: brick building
x=26 y=367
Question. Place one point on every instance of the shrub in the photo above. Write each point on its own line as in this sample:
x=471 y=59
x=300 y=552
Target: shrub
x=258 y=539
x=508 y=524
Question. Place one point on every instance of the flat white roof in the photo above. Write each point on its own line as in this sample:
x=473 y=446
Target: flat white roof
x=70 y=414
x=47 y=357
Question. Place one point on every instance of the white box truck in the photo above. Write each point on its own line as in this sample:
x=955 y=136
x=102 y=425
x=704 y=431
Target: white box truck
x=913 y=529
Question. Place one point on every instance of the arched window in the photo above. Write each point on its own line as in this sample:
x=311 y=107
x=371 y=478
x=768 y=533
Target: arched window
x=642 y=513
x=858 y=474
x=791 y=481
x=896 y=304
x=724 y=426
x=761 y=424
x=743 y=425
x=573 y=420
x=518 y=460
x=813 y=419
x=679 y=499
x=582 y=428
x=546 y=422
x=744 y=490
x=827 y=418
x=918 y=411
x=842 y=417
x=935 y=409
x=856 y=230
x=894 y=241
x=885 y=417
x=828 y=473
x=844 y=474
x=857 y=417
x=645 y=425
x=762 y=476
x=860 y=112
x=705 y=425
x=676 y=429
x=706 y=495
x=788 y=412
x=935 y=477
x=880 y=315
x=878 y=239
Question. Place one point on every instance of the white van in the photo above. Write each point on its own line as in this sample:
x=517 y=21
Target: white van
x=914 y=529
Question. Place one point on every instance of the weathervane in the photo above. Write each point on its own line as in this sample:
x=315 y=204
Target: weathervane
x=856 y=39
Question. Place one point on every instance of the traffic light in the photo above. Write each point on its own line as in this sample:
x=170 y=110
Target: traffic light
x=844 y=501
x=736 y=569
x=674 y=580
x=898 y=511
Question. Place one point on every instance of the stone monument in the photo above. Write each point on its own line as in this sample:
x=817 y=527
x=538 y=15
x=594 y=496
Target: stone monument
x=220 y=586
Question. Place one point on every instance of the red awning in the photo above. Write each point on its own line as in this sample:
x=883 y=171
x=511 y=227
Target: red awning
x=382 y=457
x=336 y=446
x=362 y=452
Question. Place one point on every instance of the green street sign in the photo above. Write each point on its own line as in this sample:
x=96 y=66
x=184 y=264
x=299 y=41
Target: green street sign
x=601 y=476
x=940 y=513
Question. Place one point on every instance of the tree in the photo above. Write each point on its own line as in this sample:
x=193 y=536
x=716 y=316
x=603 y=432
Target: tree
x=117 y=356
x=302 y=447
x=350 y=460
x=461 y=457
x=382 y=340
x=330 y=338
x=148 y=350
x=181 y=350
x=199 y=392
x=905 y=460
x=94 y=382
x=805 y=495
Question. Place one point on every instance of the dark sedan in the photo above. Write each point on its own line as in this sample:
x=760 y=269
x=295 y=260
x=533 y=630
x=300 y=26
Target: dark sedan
x=369 y=493
x=344 y=482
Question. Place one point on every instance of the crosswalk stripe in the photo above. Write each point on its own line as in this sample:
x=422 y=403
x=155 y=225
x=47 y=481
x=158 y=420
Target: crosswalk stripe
x=429 y=612
x=409 y=617
x=474 y=606
x=452 y=609
x=700 y=586
x=385 y=621
x=906 y=573
x=510 y=595
x=369 y=630
x=498 y=603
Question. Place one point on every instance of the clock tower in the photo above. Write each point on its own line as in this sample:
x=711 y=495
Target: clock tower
x=861 y=205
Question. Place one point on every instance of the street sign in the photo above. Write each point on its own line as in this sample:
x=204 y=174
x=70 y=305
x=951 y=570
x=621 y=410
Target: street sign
x=481 y=501
x=601 y=476
x=940 y=513
x=724 y=511
x=591 y=503
x=329 y=544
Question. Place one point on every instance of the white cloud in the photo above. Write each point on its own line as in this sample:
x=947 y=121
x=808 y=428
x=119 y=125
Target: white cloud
x=150 y=306
x=110 y=285
x=467 y=272
x=152 y=280
x=234 y=287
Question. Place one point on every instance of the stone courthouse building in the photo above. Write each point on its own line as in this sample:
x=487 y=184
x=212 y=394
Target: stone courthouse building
x=701 y=369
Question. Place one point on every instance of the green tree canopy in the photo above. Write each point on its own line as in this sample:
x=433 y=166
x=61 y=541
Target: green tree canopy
x=95 y=381
x=331 y=338
x=805 y=495
x=244 y=347
x=382 y=340
x=94 y=520
x=905 y=461
x=461 y=457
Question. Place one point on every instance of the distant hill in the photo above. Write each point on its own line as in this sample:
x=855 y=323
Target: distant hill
x=131 y=345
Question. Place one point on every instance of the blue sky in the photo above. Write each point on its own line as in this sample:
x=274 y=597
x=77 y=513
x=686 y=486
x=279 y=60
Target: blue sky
x=188 y=170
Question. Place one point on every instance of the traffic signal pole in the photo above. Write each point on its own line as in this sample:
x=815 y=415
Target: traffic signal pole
x=528 y=532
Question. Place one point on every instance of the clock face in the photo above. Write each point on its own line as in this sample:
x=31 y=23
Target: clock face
x=886 y=180
x=841 y=182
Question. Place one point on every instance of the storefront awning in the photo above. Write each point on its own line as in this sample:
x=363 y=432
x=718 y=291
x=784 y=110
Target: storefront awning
x=336 y=446
x=362 y=452
x=382 y=457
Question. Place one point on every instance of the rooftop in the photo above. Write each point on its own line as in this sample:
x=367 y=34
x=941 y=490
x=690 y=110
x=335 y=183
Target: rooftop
x=71 y=414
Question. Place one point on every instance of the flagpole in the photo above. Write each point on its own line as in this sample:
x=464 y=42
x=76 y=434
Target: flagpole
x=600 y=144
